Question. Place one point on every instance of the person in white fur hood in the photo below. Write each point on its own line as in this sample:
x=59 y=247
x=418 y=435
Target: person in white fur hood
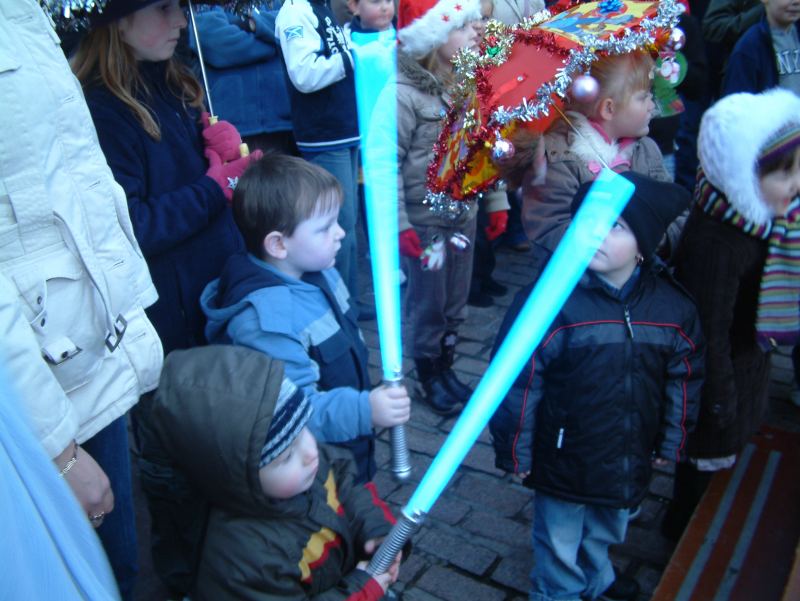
x=611 y=128
x=737 y=258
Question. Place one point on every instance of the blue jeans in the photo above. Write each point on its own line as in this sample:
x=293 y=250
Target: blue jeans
x=570 y=548
x=343 y=165
x=109 y=448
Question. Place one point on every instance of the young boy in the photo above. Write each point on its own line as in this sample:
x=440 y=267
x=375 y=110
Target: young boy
x=285 y=518
x=369 y=16
x=284 y=298
x=613 y=387
x=768 y=54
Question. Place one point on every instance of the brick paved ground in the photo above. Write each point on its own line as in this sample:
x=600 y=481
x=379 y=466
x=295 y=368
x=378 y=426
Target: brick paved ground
x=475 y=543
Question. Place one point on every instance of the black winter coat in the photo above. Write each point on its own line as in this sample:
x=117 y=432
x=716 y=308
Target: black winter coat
x=611 y=383
x=721 y=267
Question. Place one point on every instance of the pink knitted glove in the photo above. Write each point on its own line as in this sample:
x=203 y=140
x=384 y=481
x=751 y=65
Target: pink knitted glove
x=222 y=138
x=410 y=246
x=227 y=174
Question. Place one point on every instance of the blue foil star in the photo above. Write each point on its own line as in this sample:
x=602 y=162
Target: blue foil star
x=609 y=6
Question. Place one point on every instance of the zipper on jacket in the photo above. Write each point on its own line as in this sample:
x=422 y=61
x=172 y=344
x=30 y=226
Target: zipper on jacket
x=628 y=321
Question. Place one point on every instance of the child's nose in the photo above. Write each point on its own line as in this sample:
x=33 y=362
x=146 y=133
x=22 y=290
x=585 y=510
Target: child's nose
x=311 y=453
x=180 y=19
x=340 y=233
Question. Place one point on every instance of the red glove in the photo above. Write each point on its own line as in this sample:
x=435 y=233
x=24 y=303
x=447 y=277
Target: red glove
x=227 y=174
x=410 y=246
x=222 y=138
x=498 y=220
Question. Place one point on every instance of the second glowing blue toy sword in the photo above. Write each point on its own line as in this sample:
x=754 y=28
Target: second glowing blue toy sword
x=600 y=209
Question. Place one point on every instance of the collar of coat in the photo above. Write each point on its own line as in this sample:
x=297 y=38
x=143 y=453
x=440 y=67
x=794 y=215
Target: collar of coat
x=418 y=76
x=590 y=144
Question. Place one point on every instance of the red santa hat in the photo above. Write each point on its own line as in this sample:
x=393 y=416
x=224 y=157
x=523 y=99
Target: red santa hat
x=423 y=25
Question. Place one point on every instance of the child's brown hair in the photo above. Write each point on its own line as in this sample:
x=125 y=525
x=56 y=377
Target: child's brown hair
x=277 y=193
x=103 y=58
x=619 y=76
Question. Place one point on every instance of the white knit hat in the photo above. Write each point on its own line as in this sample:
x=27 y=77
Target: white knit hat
x=733 y=133
x=423 y=25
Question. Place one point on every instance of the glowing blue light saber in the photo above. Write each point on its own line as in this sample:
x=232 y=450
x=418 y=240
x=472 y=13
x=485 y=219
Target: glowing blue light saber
x=600 y=209
x=375 y=66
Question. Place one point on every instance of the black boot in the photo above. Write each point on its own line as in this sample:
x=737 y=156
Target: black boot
x=455 y=386
x=435 y=392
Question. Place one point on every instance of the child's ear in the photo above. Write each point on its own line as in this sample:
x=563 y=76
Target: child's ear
x=274 y=245
x=606 y=109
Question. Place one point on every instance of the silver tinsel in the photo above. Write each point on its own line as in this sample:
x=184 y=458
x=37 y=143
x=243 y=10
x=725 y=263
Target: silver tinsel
x=580 y=60
x=75 y=15
x=446 y=207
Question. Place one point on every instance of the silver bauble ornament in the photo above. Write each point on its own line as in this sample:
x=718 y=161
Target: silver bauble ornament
x=584 y=88
x=677 y=39
x=502 y=150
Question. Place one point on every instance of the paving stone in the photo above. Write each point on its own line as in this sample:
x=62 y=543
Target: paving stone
x=484 y=491
x=651 y=512
x=514 y=572
x=412 y=567
x=641 y=544
x=449 y=510
x=417 y=594
x=453 y=586
x=488 y=525
x=481 y=457
x=457 y=551
x=661 y=485
x=426 y=441
x=648 y=578
x=473 y=349
x=469 y=365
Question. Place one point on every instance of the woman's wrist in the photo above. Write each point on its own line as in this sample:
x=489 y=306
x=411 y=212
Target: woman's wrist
x=70 y=462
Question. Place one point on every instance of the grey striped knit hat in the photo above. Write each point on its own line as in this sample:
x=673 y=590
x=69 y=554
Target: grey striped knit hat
x=292 y=412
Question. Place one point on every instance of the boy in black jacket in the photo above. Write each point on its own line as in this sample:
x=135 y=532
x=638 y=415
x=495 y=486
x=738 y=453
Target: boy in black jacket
x=613 y=386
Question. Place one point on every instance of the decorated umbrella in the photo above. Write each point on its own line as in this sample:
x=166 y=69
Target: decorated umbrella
x=520 y=79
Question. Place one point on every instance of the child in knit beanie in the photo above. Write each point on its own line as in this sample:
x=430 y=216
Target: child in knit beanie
x=738 y=258
x=612 y=389
x=285 y=518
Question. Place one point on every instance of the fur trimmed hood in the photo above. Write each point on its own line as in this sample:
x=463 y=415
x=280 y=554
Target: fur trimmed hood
x=588 y=144
x=732 y=134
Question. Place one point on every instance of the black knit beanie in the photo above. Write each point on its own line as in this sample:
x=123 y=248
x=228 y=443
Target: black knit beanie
x=653 y=206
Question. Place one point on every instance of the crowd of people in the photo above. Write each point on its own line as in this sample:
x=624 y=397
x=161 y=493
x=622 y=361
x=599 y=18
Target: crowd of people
x=193 y=280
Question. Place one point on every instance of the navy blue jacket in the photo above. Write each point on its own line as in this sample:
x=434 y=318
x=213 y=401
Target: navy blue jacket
x=324 y=116
x=752 y=66
x=245 y=71
x=180 y=216
x=615 y=379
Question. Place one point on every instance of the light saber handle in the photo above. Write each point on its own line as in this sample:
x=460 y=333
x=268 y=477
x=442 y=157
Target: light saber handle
x=401 y=460
x=393 y=544
x=244 y=149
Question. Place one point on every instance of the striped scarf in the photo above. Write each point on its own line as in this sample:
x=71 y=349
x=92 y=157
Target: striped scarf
x=778 y=314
